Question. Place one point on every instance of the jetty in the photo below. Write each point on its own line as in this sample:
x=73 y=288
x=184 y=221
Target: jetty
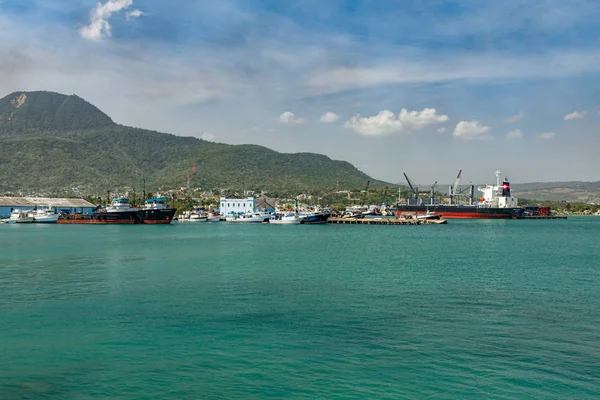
x=543 y=217
x=386 y=221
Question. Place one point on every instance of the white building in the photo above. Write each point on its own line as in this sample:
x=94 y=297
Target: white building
x=229 y=205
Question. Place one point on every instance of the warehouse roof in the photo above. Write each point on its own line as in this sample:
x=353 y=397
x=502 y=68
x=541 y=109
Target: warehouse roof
x=43 y=202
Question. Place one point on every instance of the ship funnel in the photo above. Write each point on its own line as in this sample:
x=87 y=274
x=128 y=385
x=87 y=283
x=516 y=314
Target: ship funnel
x=506 y=188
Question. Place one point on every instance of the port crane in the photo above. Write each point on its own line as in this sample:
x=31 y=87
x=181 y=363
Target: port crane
x=414 y=188
x=453 y=191
x=432 y=198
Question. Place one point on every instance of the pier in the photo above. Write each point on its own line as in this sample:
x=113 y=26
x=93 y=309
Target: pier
x=386 y=221
x=543 y=217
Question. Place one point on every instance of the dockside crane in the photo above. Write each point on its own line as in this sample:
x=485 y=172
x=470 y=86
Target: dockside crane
x=414 y=188
x=452 y=189
x=432 y=198
x=455 y=192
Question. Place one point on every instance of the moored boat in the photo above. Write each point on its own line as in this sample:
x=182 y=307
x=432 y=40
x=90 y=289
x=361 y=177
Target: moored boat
x=285 y=219
x=213 y=217
x=18 y=216
x=192 y=216
x=317 y=217
x=119 y=212
x=496 y=202
x=256 y=217
x=45 y=216
x=429 y=215
x=156 y=211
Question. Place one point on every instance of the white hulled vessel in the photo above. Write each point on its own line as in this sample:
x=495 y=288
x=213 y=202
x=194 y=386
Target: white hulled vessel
x=290 y=218
x=45 y=216
x=193 y=216
x=20 y=217
x=255 y=217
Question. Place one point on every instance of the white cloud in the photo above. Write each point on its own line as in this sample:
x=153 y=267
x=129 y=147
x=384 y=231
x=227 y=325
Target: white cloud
x=469 y=130
x=441 y=130
x=514 y=134
x=547 y=135
x=329 y=117
x=133 y=14
x=289 y=118
x=99 y=26
x=514 y=118
x=208 y=136
x=575 y=115
x=387 y=123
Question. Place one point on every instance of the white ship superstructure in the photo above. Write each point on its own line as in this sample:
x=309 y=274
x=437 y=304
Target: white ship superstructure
x=498 y=196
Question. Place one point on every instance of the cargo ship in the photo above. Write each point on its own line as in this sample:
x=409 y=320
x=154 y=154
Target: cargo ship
x=495 y=202
x=155 y=211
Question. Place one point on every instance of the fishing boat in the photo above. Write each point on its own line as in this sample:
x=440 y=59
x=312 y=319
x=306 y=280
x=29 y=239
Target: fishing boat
x=193 y=216
x=290 y=218
x=256 y=217
x=212 y=217
x=428 y=216
x=18 y=216
x=45 y=216
x=316 y=217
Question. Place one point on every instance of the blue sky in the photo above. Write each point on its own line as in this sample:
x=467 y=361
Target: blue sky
x=425 y=88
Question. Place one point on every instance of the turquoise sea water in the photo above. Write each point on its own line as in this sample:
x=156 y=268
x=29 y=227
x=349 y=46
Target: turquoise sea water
x=472 y=309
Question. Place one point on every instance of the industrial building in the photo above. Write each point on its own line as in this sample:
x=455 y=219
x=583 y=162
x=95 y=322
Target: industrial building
x=67 y=206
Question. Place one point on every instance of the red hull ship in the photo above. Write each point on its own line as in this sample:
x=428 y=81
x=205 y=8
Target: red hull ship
x=496 y=203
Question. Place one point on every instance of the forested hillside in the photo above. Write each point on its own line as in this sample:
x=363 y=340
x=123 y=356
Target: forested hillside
x=50 y=142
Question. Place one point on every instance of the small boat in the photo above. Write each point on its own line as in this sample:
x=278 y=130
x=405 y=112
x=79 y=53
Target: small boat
x=214 y=217
x=256 y=217
x=317 y=217
x=20 y=217
x=193 y=216
x=429 y=215
x=285 y=219
x=45 y=216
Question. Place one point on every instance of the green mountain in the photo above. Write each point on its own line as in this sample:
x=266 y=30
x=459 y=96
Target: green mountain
x=43 y=112
x=50 y=143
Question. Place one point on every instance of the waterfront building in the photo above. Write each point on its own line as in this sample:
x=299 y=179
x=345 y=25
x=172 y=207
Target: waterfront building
x=68 y=206
x=228 y=205
x=266 y=204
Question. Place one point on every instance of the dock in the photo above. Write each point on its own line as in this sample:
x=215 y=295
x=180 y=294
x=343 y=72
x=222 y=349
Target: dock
x=543 y=217
x=386 y=221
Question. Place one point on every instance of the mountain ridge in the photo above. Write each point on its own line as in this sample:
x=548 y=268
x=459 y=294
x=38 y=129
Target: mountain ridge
x=51 y=142
x=43 y=111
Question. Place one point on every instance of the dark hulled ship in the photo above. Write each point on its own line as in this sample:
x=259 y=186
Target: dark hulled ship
x=317 y=217
x=496 y=202
x=155 y=211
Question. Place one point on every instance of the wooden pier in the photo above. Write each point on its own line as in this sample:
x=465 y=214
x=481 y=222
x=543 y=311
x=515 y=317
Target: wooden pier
x=386 y=221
